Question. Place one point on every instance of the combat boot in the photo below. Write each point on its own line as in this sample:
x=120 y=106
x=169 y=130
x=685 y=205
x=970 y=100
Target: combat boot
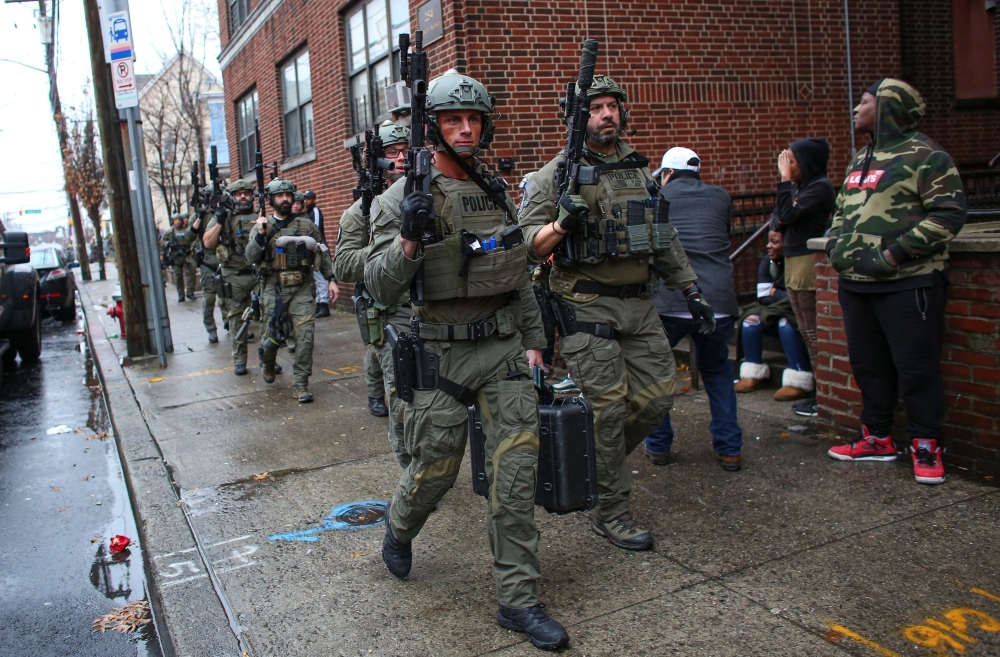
x=267 y=372
x=624 y=532
x=213 y=336
x=277 y=368
x=397 y=556
x=322 y=310
x=376 y=406
x=543 y=631
x=302 y=394
x=240 y=369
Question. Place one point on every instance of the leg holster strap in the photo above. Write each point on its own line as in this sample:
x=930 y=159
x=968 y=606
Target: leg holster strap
x=633 y=291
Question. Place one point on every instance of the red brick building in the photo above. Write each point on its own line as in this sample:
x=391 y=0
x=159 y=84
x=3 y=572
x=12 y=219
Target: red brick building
x=735 y=81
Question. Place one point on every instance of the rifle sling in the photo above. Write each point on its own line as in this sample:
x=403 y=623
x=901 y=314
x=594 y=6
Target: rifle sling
x=498 y=200
x=632 y=161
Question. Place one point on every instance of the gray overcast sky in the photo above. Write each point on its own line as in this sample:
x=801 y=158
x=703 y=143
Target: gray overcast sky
x=32 y=175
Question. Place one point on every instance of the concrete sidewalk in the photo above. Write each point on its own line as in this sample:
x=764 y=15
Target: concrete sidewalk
x=795 y=555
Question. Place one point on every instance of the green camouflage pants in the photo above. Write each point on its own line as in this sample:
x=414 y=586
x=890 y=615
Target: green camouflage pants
x=435 y=430
x=373 y=372
x=300 y=302
x=210 y=294
x=383 y=355
x=184 y=278
x=629 y=381
x=241 y=286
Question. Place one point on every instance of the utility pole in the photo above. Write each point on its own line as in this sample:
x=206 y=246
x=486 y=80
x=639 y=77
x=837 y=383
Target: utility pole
x=137 y=336
x=57 y=115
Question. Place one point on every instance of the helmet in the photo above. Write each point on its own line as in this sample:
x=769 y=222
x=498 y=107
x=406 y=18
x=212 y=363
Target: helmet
x=392 y=134
x=299 y=196
x=239 y=185
x=604 y=85
x=178 y=215
x=207 y=190
x=279 y=186
x=454 y=91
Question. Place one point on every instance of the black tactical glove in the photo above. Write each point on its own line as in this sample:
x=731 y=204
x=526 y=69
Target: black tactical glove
x=220 y=214
x=700 y=310
x=416 y=213
x=573 y=211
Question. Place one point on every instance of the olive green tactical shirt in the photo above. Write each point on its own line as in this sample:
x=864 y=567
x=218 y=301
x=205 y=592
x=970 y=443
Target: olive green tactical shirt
x=540 y=208
x=389 y=273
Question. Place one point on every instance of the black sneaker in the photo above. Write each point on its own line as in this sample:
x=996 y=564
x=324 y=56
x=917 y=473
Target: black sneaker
x=322 y=310
x=376 y=406
x=806 y=407
x=543 y=631
x=397 y=556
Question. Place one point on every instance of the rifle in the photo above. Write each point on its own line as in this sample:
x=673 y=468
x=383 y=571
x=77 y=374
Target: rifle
x=258 y=169
x=413 y=69
x=252 y=312
x=218 y=198
x=576 y=112
x=196 y=197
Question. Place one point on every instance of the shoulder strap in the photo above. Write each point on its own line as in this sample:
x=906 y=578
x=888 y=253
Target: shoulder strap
x=498 y=199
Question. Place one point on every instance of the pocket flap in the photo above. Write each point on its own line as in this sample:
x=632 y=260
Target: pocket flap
x=449 y=417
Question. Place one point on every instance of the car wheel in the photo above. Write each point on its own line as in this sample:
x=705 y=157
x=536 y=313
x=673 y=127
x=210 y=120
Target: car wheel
x=68 y=314
x=29 y=341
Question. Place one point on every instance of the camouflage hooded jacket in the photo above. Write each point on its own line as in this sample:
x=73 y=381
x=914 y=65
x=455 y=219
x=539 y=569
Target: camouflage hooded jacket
x=903 y=194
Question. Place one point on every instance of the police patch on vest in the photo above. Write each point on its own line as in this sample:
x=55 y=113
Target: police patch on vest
x=478 y=205
x=628 y=179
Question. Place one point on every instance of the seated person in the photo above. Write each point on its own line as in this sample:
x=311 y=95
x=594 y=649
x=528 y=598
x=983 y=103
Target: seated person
x=772 y=314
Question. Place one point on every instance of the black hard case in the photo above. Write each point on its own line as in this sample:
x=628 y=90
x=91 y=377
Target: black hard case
x=567 y=465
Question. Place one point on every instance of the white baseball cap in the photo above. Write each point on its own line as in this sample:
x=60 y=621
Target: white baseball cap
x=679 y=158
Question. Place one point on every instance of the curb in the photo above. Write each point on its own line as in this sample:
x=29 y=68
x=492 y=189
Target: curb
x=190 y=620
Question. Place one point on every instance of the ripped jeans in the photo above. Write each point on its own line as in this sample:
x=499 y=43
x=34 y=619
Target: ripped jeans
x=794 y=346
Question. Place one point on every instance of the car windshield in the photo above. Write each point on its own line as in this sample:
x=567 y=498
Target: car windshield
x=44 y=259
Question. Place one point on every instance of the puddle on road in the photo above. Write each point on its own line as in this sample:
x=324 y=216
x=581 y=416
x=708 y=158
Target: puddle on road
x=354 y=515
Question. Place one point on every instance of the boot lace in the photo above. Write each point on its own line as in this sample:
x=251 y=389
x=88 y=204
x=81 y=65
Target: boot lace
x=926 y=458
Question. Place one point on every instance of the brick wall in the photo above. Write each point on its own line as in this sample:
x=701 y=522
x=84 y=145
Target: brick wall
x=970 y=361
x=736 y=82
x=971 y=136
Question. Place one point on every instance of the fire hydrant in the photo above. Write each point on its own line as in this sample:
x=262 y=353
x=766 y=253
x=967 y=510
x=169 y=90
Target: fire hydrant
x=116 y=311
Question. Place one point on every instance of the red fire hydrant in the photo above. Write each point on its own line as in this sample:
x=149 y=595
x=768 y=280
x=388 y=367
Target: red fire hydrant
x=116 y=311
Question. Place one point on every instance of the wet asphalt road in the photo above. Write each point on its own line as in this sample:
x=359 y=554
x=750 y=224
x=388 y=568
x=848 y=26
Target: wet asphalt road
x=62 y=498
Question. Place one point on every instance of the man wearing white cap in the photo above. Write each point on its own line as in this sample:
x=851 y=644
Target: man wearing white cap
x=702 y=215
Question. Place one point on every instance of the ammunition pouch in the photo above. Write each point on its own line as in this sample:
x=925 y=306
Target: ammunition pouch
x=293 y=252
x=649 y=229
x=487 y=274
x=290 y=278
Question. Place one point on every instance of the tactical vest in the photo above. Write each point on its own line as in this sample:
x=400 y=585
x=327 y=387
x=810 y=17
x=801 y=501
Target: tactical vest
x=629 y=224
x=237 y=231
x=468 y=215
x=179 y=246
x=290 y=257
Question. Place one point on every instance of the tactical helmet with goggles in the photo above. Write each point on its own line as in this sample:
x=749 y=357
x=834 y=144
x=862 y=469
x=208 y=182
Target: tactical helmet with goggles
x=279 y=186
x=604 y=85
x=454 y=91
x=393 y=134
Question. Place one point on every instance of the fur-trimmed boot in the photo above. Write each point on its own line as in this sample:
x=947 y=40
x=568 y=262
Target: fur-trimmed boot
x=752 y=377
x=795 y=385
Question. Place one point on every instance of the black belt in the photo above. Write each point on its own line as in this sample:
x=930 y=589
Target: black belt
x=605 y=331
x=480 y=330
x=241 y=272
x=632 y=291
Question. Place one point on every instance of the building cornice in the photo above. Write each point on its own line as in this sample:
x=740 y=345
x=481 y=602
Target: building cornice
x=260 y=15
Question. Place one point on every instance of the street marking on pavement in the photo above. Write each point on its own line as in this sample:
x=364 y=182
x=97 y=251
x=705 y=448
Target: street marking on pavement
x=341 y=371
x=186 y=570
x=356 y=515
x=160 y=379
x=854 y=636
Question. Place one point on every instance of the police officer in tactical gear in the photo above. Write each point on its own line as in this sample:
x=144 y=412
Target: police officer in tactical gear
x=228 y=233
x=177 y=243
x=605 y=273
x=289 y=248
x=208 y=264
x=353 y=245
x=482 y=328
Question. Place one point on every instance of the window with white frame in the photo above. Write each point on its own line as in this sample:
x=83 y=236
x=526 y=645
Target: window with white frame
x=246 y=119
x=296 y=97
x=373 y=29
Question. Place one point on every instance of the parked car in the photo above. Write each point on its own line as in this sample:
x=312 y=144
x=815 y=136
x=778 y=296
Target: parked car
x=58 y=285
x=20 y=311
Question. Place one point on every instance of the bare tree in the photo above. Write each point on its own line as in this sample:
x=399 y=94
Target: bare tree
x=85 y=177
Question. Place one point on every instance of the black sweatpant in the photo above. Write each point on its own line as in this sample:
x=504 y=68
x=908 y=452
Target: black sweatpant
x=894 y=343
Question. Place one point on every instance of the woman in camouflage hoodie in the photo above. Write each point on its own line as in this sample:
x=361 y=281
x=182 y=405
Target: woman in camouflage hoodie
x=901 y=203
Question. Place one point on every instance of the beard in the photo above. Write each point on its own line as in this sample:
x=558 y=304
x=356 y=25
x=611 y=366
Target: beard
x=598 y=137
x=284 y=208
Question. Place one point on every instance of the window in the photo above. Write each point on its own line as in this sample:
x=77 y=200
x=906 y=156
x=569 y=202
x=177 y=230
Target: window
x=246 y=119
x=296 y=94
x=373 y=57
x=238 y=12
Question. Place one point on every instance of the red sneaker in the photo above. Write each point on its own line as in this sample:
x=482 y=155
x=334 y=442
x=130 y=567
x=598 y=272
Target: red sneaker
x=865 y=448
x=927 y=465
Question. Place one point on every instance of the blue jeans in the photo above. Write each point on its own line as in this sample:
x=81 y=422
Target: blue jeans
x=791 y=342
x=712 y=352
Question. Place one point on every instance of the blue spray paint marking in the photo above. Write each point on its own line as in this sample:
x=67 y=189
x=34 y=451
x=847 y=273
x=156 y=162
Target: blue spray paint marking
x=355 y=515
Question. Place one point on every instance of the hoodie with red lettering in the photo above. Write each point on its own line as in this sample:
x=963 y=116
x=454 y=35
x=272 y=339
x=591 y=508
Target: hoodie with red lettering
x=902 y=194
